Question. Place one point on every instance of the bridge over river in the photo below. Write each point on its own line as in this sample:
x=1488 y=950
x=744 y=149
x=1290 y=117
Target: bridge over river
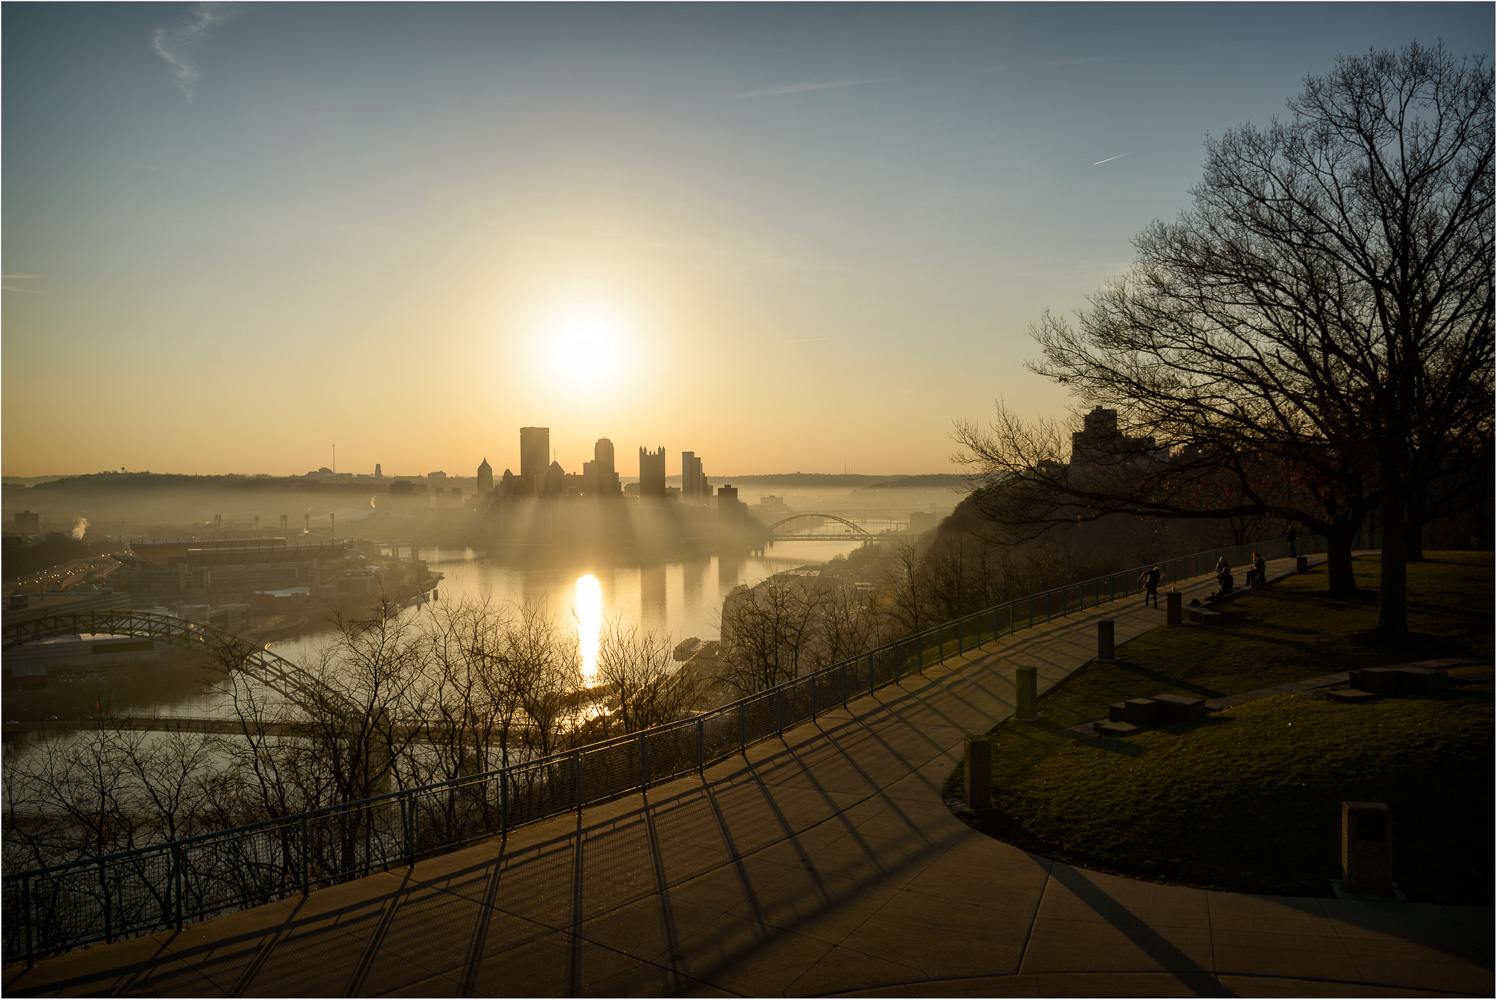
x=855 y=526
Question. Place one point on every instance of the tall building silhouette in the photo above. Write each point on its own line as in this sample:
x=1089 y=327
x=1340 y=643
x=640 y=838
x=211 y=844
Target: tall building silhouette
x=603 y=455
x=652 y=472
x=485 y=480
x=599 y=478
x=693 y=482
x=535 y=458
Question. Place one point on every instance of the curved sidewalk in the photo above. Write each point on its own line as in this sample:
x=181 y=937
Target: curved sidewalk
x=822 y=864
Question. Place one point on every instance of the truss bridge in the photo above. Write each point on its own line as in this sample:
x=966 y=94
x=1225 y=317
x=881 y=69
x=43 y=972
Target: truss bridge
x=229 y=651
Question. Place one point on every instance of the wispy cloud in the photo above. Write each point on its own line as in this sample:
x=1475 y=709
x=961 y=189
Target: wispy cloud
x=798 y=88
x=1110 y=159
x=19 y=277
x=178 y=45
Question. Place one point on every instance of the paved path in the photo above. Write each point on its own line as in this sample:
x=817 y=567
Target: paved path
x=821 y=865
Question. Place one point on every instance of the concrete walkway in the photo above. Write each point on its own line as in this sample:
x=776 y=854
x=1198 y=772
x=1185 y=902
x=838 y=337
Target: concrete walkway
x=824 y=864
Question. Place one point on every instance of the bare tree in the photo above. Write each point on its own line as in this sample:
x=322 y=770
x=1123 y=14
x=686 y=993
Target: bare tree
x=765 y=629
x=640 y=674
x=1308 y=340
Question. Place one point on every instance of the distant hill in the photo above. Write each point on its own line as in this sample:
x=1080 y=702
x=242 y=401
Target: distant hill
x=823 y=480
x=940 y=480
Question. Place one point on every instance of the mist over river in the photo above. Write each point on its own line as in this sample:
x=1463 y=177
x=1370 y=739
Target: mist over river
x=678 y=600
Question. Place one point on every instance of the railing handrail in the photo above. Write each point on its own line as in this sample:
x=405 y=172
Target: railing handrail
x=564 y=755
x=539 y=788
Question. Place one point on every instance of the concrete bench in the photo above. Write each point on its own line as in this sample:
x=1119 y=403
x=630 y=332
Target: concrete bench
x=1400 y=682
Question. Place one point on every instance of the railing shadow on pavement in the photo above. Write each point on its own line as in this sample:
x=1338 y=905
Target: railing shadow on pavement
x=170 y=885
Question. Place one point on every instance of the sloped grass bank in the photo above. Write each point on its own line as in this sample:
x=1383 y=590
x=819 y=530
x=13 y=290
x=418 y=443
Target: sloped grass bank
x=1249 y=799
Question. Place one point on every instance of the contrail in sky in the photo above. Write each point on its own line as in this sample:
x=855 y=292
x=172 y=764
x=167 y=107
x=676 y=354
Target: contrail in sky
x=1109 y=159
x=797 y=88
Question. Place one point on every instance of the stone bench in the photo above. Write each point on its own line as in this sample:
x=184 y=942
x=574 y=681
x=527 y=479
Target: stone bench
x=1160 y=710
x=1401 y=681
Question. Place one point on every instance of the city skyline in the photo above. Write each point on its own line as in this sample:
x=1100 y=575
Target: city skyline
x=805 y=238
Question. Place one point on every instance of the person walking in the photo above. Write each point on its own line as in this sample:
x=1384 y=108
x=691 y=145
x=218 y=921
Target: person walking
x=1150 y=579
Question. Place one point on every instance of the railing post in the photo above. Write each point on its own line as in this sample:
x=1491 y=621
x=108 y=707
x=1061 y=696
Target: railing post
x=644 y=761
x=577 y=771
x=844 y=683
x=1047 y=604
x=26 y=918
x=870 y=673
x=306 y=857
x=178 y=883
x=779 y=711
x=813 y=697
x=408 y=800
x=919 y=653
x=701 y=747
x=742 y=728
x=108 y=921
x=958 y=637
x=504 y=801
x=1030 y=622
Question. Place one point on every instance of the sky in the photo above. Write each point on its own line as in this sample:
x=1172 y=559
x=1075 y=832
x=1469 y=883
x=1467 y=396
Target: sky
x=786 y=237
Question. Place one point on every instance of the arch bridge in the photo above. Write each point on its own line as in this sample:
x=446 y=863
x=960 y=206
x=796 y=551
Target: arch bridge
x=229 y=651
x=778 y=533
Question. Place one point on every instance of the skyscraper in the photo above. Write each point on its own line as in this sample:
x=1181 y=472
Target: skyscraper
x=652 y=473
x=485 y=480
x=603 y=455
x=598 y=476
x=693 y=482
x=535 y=457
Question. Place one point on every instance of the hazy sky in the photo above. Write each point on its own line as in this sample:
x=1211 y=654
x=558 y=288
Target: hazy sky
x=785 y=237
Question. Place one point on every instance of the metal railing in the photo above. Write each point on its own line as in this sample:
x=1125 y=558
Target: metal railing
x=147 y=889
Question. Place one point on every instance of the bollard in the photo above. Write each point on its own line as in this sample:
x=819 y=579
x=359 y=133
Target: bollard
x=978 y=780
x=1301 y=564
x=1104 y=642
x=1172 y=608
x=1025 y=694
x=1367 y=848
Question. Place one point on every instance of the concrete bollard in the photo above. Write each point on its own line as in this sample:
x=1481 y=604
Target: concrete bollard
x=1367 y=848
x=978 y=781
x=1302 y=564
x=1104 y=642
x=1026 y=685
x=1172 y=608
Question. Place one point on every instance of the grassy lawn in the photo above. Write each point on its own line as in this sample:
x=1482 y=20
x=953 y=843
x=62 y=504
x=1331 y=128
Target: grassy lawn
x=1249 y=799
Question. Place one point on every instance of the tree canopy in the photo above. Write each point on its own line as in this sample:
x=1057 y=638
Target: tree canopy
x=1311 y=339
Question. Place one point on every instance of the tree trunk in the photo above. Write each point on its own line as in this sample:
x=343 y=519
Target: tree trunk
x=1339 y=538
x=1414 y=543
x=1392 y=594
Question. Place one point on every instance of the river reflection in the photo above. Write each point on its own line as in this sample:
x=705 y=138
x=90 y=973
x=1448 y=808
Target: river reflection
x=677 y=600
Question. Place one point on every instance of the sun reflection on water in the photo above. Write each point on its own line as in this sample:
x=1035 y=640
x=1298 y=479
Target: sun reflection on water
x=588 y=606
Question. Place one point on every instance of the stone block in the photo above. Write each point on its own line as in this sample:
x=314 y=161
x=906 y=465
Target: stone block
x=1026 y=694
x=1367 y=848
x=978 y=779
x=1117 y=712
x=1117 y=729
x=1172 y=608
x=1400 y=681
x=1141 y=711
x=1204 y=616
x=1302 y=564
x=1179 y=708
x=1351 y=696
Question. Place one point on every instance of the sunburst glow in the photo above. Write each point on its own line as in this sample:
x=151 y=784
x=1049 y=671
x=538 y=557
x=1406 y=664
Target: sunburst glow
x=586 y=347
x=588 y=606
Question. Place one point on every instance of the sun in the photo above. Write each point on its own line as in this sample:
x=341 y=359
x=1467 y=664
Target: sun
x=586 y=346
